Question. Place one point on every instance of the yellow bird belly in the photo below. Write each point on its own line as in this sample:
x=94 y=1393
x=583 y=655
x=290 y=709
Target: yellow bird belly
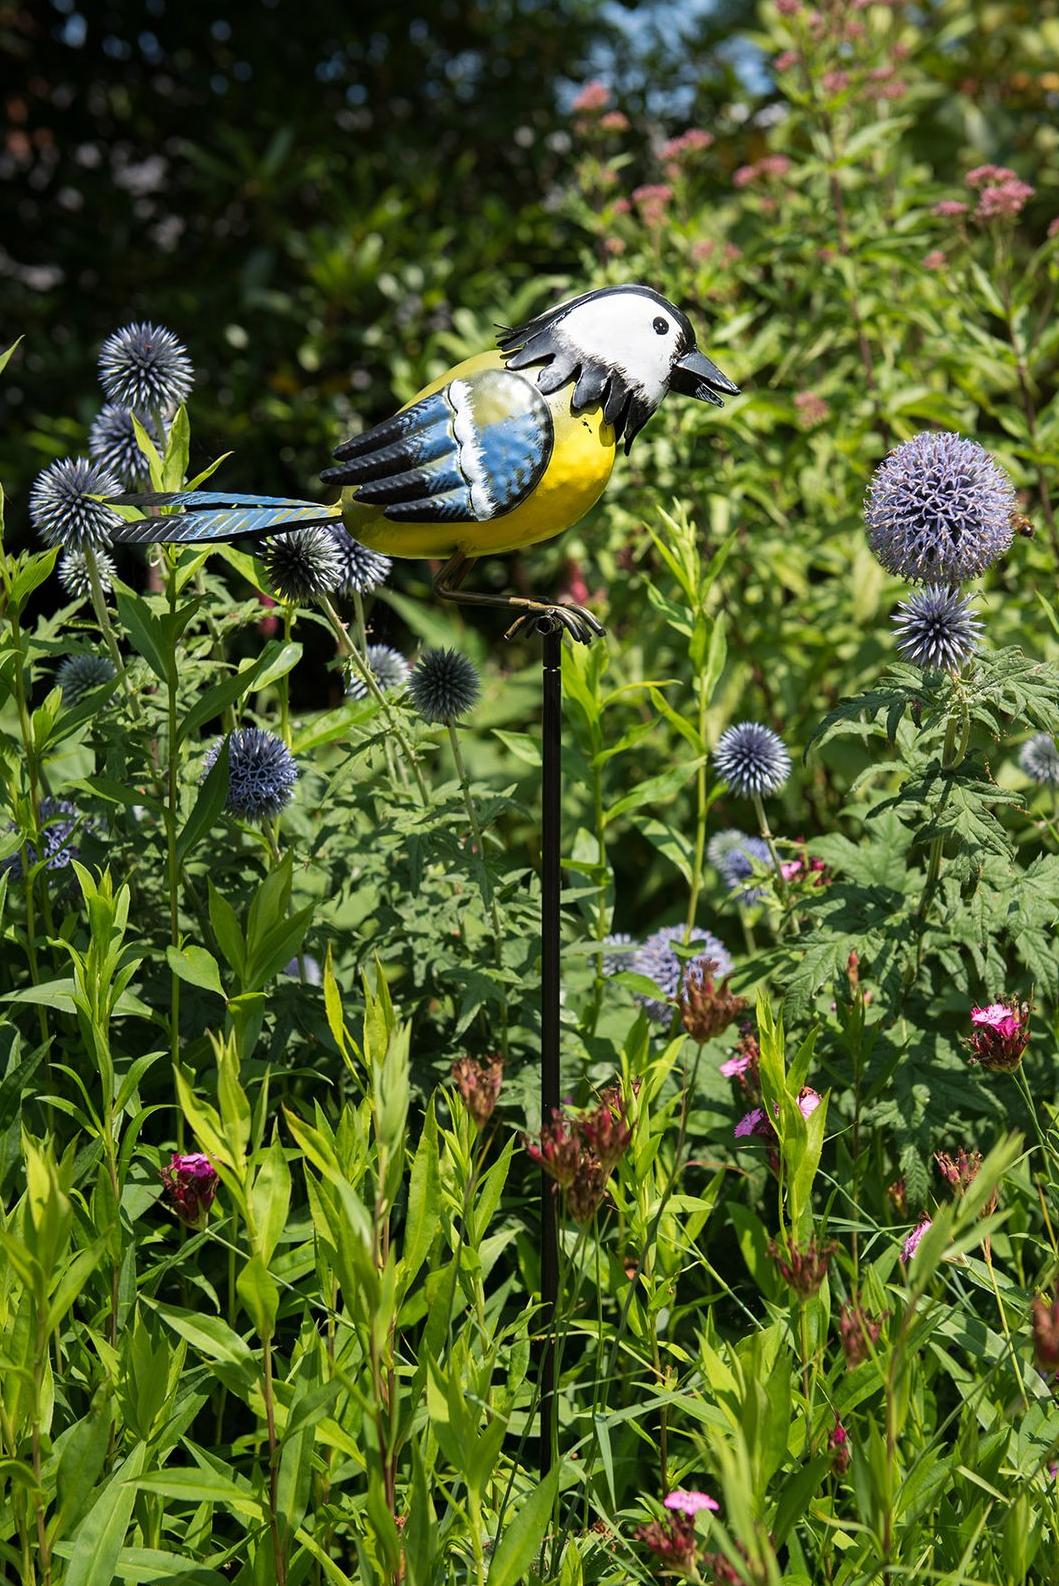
x=577 y=473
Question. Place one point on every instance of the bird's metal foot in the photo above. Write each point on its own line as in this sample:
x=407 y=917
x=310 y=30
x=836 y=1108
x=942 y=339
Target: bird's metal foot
x=578 y=622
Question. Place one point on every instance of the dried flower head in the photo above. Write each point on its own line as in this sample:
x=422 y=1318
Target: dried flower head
x=939 y=510
x=579 y=1153
x=659 y=960
x=190 y=1184
x=145 y=367
x=62 y=508
x=113 y=445
x=58 y=819
x=752 y=759
x=959 y=1172
x=708 y=1007
x=915 y=1238
x=388 y=667
x=672 y=1541
x=1044 y=1319
x=302 y=564
x=444 y=685
x=78 y=674
x=937 y=629
x=745 y=1060
x=261 y=773
x=859 y=1331
x=803 y=1267
x=737 y=856
x=1039 y=758
x=1000 y=1033
x=479 y=1085
x=362 y=570
x=74 y=576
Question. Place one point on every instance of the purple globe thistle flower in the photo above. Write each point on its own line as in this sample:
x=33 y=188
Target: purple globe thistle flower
x=189 y=1185
x=752 y=759
x=78 y=674
x=302 y=564
x=145 y=367
x=939 y=510
x=61 y=505
x=261 y=773
x=614 y=963
x=58 y=819
x=937 y=629
x=737 y=856
x=362 y=570
x=113 y=445
x=1039 y=758
x=388 y=667
x=658 y=960
x=444 y=685
x=73 y=573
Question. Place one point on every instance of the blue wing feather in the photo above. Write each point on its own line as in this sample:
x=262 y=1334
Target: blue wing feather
x=214 y=515
x=470 y=452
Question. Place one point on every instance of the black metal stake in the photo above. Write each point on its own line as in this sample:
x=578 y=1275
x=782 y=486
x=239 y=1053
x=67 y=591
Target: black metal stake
x=551 y=884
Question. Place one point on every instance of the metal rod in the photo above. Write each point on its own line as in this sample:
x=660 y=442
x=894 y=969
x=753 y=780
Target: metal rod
x=551 y=886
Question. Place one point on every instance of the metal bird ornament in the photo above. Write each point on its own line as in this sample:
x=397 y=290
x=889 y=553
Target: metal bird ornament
x=507 y=449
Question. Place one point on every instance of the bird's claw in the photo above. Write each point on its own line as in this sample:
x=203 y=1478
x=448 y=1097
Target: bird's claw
x=578 y=622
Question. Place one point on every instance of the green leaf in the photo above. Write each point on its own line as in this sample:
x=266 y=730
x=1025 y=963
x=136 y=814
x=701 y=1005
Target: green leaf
x=210 y=1335
x=146 y=632
x=518 y=1546
x=196 y=966
x=259 y=1294
x=212 y=797
x=97 y=1541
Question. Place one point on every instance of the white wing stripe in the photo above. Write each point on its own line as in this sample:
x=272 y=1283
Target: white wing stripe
x=472 y=463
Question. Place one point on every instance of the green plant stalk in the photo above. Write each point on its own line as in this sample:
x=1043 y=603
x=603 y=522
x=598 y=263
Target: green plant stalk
x=948 y=760
x=770 y=842
x=32 y=770
x=484 y=883
x=278 y=1546
x=699 y=855
x=172 y=862
x=106 y=627
x=40 y=1354
x=284 y=682
x=600 y=824
x=364 y=672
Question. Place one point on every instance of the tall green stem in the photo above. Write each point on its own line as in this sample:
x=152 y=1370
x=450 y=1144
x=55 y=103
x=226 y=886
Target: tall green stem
x=699 y=856
x=770 y=842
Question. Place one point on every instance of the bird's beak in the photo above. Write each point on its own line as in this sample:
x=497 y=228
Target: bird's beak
x=695 y=376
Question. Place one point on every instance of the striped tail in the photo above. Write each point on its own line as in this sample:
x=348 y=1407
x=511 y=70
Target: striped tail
x=215 y=515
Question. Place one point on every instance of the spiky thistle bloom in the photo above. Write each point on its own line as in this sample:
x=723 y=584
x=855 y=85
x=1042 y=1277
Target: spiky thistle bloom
x=261 y=773
x=61 y=505
x=77 y=674
x=58 y=818
x=302 y=564
x=939 y=510
x=388 y=667
x=362 y=570
x=658 y=959
x=752 y=759
x=1039 y=758
x=937 y=629
x=145 y=367
x=73 y=573
x=112 y=443
x=737 y=856
x=614 y=963
x=190 y=1183
x=444 y=685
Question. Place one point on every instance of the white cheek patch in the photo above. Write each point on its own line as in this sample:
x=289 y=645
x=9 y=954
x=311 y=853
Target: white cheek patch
x=617 y=330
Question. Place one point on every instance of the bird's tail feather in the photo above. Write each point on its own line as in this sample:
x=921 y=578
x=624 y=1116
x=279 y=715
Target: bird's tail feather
x=216 y=515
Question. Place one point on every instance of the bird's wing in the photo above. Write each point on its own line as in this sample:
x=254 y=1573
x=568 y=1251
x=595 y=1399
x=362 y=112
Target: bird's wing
x=215 y=515
x=467 y=453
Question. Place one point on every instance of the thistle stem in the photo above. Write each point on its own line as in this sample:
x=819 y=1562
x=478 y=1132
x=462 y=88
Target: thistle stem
x=770 y=843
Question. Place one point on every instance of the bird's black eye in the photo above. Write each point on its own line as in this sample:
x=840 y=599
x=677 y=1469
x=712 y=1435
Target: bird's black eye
x=661 y=325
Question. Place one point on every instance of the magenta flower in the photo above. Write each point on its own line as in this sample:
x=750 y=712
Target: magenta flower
x=1000 y=1034
x=911 y=1244
x=189 y=1186
x=949 y=209
x=732 y=1067
x=1005 y=200
x=690 y=1502
x=756 y=1123
x=594 y=96
x=988 y=175
x=693 y=141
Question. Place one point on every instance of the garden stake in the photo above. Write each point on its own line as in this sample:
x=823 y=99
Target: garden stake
x=551 y=888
